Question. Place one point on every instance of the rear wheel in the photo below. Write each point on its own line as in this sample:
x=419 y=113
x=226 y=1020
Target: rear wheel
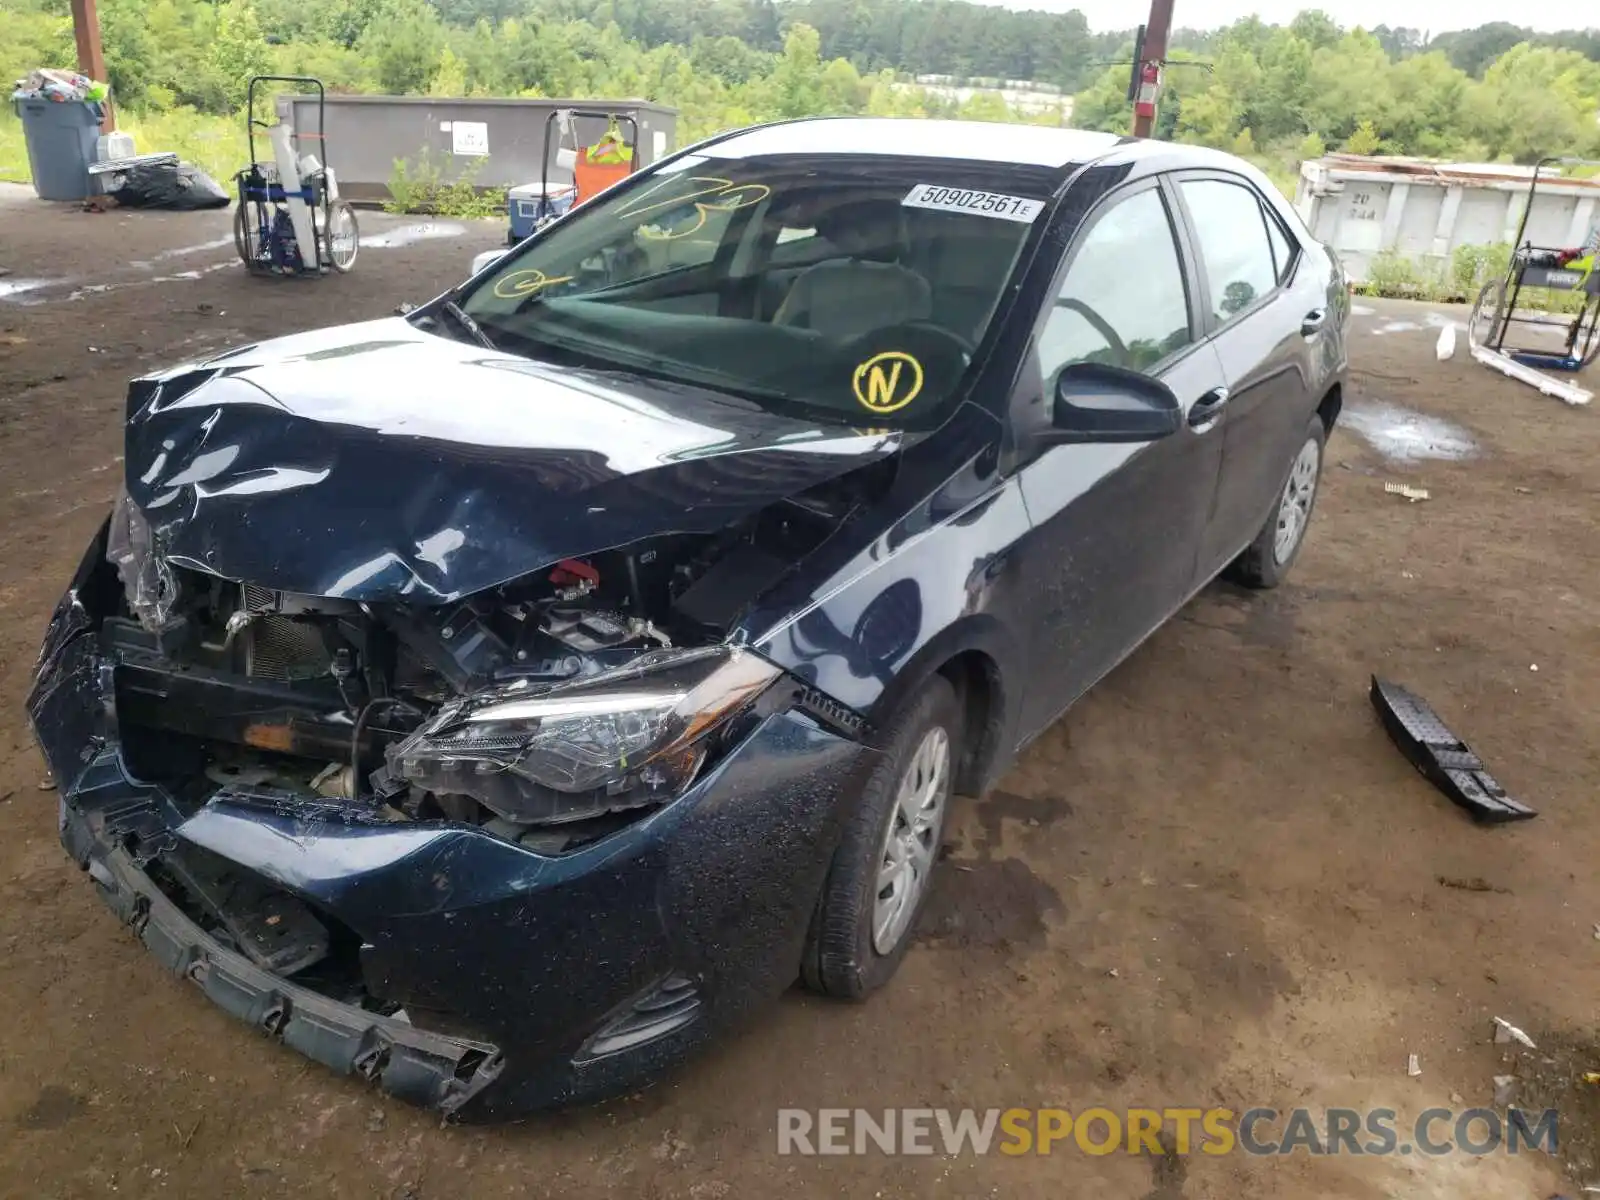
x=241 y=232
x=878 y=881
x=1267 y=559
x=1487 y=322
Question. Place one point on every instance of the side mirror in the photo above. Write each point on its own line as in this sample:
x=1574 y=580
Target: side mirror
x=1099 y=403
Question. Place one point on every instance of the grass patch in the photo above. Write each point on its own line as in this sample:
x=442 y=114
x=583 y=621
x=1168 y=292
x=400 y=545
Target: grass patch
x=1459 y=280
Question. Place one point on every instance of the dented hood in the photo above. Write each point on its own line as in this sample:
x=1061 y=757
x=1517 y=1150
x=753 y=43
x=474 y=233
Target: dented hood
x=381 y=462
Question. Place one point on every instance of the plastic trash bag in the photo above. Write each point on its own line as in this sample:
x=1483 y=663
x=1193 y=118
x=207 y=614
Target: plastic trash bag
x=63 y=86
x=167 y=185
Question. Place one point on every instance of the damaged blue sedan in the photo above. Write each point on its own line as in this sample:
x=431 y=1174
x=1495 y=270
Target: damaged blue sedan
x=497 y=701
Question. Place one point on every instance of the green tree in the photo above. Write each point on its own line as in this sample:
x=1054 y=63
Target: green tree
x=1364 y=140
x=404 y=43
x=237 y=50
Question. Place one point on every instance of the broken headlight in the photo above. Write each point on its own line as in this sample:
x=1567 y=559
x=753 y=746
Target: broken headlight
x=621 y=739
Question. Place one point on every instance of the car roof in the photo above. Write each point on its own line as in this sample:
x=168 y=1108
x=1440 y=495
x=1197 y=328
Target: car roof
x=915 y=137
x=1058 y=152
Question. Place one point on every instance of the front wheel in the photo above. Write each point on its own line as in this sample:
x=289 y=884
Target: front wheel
x=878 y=880
x=342 y=237
x=1267 y=560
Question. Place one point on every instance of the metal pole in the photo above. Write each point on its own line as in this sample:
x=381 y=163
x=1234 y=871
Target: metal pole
x=91 y=62
x=1153 y=53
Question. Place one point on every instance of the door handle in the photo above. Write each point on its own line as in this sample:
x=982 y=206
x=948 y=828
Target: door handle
x=1313 y=321
x=1208 y=409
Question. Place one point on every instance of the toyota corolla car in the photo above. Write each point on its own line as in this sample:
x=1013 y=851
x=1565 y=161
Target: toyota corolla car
x=495 y=702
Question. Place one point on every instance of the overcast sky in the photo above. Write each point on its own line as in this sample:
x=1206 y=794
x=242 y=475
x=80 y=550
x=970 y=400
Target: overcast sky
x=1435 y=16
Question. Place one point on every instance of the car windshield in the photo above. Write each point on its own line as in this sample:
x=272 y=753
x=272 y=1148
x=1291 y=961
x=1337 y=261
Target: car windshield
x=853 y=288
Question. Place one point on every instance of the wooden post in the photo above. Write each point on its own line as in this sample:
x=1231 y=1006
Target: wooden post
x=91 y=62
x=1154 y=52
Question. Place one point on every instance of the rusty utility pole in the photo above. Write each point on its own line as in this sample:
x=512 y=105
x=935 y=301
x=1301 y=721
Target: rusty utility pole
x=1147 y=68
x=91 y=62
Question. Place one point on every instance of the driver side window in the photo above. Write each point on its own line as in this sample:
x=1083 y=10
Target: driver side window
x=1123 y=300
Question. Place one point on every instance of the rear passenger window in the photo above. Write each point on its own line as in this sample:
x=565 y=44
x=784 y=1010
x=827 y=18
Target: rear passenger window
x=1282 y=249
x=1239 y=261
x=1123 y=300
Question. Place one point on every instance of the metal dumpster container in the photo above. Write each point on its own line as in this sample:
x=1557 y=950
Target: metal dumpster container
x=1363 y=205
x=494 y=142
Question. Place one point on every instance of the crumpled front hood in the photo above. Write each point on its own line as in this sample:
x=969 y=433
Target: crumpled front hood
x=381 y=462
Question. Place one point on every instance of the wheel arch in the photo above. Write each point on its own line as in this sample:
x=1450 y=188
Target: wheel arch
x=978 y=657
x=1331 y=405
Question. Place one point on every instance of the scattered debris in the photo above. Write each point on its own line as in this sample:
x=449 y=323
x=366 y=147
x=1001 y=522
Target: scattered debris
x=1413 y=1066
x=1112 y=972
x=1591 y=1076
x=1505 y=1089
x=1443 y=759
x=1597 y=932
x=1446 y=346
x=1475 y=884
x=1522 y=491
x=1412 y=494
x=1505 y=1032
x=375 y=1120
x=47 y=784
x=1533 y=666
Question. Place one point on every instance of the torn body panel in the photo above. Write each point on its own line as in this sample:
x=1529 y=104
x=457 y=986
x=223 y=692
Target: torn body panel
x=389 y=464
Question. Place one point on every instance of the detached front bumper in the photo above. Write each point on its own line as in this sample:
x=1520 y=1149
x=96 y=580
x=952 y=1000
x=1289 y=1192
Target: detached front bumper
x=528 y=980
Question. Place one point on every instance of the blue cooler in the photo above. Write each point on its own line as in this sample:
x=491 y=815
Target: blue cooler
x=531 y=203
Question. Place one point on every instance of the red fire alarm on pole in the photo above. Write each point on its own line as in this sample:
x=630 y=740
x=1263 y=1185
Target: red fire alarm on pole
x=1144 y=104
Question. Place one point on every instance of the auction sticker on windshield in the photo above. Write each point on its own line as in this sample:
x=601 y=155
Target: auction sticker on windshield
x=965 y=200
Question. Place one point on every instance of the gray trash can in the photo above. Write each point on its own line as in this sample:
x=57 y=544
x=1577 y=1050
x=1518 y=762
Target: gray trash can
x=61 y=138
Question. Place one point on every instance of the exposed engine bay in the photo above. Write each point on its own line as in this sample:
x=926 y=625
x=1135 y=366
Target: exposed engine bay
x=550 y=710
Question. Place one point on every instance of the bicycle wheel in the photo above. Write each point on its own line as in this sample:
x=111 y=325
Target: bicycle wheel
x=1586 y=345
x=341 y=238
x=1486 y=325
x=241 y=232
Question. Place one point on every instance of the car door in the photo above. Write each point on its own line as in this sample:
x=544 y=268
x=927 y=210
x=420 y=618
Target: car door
x=1264 y=316
x=1115 y=528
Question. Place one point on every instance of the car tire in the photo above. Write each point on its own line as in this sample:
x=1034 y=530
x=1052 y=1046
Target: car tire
x=861 y=927
x=1267 y=560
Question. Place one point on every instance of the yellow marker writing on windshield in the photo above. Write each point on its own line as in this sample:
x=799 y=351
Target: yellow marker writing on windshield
x=525 y=283
x=887 y=381
x=709 y=193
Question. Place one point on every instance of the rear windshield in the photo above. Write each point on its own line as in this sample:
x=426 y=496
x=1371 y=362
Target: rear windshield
x=852 y=287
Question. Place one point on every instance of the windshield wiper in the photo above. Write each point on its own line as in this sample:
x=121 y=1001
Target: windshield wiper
x=460 y=317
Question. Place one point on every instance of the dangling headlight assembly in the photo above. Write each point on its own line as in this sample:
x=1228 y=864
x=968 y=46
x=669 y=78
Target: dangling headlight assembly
x=628 y=737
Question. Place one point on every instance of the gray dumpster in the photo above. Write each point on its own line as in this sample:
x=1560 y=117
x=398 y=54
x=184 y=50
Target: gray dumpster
x=61 y=138
x=494 y=142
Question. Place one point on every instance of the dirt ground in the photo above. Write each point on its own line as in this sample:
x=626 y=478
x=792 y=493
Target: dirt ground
x=1215 y=882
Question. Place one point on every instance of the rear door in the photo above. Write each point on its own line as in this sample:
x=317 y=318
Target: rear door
x=1264 y=316
x=1116 y=528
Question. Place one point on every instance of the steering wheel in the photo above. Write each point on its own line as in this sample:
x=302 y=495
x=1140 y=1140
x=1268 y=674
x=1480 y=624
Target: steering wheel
x=923 y=327
x=1100 y=324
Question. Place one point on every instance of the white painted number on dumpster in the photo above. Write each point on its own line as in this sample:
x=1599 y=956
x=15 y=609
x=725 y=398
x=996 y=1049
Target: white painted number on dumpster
x=1361 y=207
x=469 y=138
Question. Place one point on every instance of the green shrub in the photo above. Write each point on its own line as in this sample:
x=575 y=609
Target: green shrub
x=421 y=188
